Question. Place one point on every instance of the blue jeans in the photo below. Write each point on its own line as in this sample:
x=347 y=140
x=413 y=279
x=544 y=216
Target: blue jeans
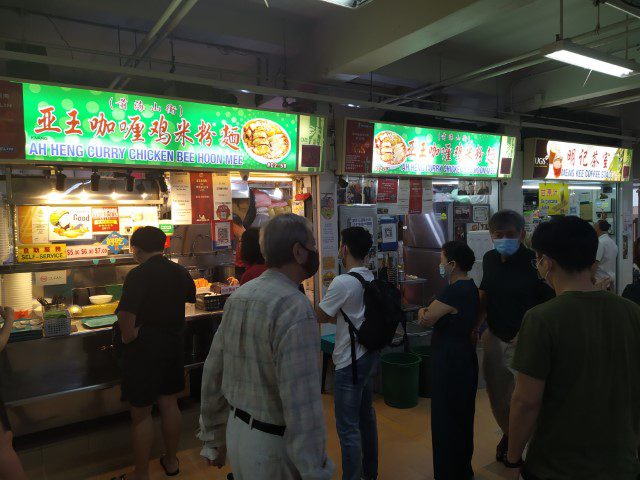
x=356 y=419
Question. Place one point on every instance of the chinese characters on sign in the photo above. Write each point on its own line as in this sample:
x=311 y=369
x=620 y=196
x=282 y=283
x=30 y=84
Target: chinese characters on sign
x=77 y=125
x=554 y=198
x=550 y=159
x=382 y=148
x=42 y=253
x=409 y=150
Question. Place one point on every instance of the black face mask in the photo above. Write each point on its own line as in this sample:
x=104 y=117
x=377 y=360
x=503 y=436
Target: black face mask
x=312 y=263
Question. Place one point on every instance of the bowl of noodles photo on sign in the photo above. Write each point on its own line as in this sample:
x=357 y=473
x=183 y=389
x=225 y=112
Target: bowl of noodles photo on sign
x=265 y=141
x=390 y=148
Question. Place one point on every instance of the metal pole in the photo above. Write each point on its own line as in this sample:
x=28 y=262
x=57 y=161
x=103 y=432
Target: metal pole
x=561 y=19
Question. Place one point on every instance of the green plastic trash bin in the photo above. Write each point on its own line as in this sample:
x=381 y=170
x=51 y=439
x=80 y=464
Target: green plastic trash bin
x=400 y=379
x=424 y=352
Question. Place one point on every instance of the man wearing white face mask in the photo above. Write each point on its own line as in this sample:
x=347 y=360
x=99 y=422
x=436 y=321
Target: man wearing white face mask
x=510 y=286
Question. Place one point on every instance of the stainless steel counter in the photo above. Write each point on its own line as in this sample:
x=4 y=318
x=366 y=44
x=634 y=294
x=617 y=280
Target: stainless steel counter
x=55 y=381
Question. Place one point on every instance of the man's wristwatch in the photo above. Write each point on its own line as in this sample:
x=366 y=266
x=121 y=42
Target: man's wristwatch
x=518 y=464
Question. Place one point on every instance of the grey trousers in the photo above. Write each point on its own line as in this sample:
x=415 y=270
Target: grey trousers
x=499 y=376
x=255 y=455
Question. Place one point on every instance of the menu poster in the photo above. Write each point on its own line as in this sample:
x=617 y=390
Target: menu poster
x=358 y=151
x=180 y=198
x=33 y=225
x=551 y=159
x=387 y=190
x=222 y=234
x=222 y=205
x=105 y=219
x=12 y=138
x=364 y=222
x=69 y=223
x=201 y=197
x=403 y=196
x=87 y=251
x=415 y=195
x=312 y=133
x=554 y=198
x=132 y=218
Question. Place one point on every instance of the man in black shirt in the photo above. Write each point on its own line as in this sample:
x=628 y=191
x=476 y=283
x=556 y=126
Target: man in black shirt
x=151 y=319
x=510 y=286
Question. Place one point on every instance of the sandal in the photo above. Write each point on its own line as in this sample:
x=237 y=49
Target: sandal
x=166 y=472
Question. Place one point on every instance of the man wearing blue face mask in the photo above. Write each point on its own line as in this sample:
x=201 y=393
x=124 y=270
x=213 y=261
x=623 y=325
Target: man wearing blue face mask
x=510 y=286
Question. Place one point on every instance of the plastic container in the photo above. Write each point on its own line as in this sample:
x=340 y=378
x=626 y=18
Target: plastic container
x=400 y=372
x=424 y=352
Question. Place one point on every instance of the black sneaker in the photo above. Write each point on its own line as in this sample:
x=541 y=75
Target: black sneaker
x=501 y=449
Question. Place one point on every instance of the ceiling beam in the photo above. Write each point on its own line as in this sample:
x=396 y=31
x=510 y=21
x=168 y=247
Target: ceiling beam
x=262 y=90
x=364 y=40
x=565 y=86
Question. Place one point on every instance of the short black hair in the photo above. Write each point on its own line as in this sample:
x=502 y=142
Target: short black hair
x=358 y=240
x=250 y=247
x=148 y=239
x=460 y=253
x=603 y=225
x=505 y=219
x=570 y=241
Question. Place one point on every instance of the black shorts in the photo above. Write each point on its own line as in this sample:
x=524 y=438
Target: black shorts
x=152 y=366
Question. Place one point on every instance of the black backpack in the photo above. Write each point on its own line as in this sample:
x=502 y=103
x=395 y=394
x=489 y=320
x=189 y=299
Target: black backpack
x=382 y=314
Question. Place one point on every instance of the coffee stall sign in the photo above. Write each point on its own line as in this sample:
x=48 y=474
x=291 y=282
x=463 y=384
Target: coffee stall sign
x=410 y=150
x=112 y=128
x=554 y=160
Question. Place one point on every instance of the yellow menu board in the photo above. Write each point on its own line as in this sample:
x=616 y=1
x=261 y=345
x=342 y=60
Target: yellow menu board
x=554 y=197
x=46 y=252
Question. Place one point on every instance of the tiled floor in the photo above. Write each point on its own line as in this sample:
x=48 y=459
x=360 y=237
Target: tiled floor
x=405 y=448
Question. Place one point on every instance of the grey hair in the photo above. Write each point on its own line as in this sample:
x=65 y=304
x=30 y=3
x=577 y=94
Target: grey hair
x=280 y=234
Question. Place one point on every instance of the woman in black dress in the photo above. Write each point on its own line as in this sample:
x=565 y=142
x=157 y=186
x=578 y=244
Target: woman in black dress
x=454 y=364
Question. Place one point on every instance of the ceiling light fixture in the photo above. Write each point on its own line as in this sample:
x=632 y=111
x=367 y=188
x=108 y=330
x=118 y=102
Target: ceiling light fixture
x=349 y=3
x=60 y=178
x=624 y=6
x=130 y=181
x=568 y=52
x=95 y=181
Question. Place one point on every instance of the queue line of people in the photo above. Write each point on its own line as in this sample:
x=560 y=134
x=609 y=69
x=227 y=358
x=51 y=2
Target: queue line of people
x=562 y=373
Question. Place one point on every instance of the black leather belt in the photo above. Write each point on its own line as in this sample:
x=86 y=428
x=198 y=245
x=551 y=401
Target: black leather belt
x=269 y=428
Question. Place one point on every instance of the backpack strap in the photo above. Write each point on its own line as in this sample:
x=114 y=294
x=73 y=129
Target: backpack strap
x=352 y=334
x=360 y=278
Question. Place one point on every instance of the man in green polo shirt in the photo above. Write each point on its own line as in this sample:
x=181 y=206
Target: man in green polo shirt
x=577 y=399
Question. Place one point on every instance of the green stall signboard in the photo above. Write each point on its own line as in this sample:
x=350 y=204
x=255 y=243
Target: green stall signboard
x=109 y=128
x=411 y=150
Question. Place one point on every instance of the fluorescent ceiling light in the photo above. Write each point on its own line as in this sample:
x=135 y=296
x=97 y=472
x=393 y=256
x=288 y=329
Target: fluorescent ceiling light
x=349 y=3
x=533 y=186
x=584 y=187
x=590 y=59
x=624 y=6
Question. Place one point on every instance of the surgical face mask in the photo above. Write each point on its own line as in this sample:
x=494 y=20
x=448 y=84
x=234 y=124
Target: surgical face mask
x=341 y=257
x=506 y=246
x=443 y=270
x=312 y=263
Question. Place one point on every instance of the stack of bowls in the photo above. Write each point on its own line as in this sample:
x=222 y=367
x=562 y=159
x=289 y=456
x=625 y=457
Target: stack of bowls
x=16 y=291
